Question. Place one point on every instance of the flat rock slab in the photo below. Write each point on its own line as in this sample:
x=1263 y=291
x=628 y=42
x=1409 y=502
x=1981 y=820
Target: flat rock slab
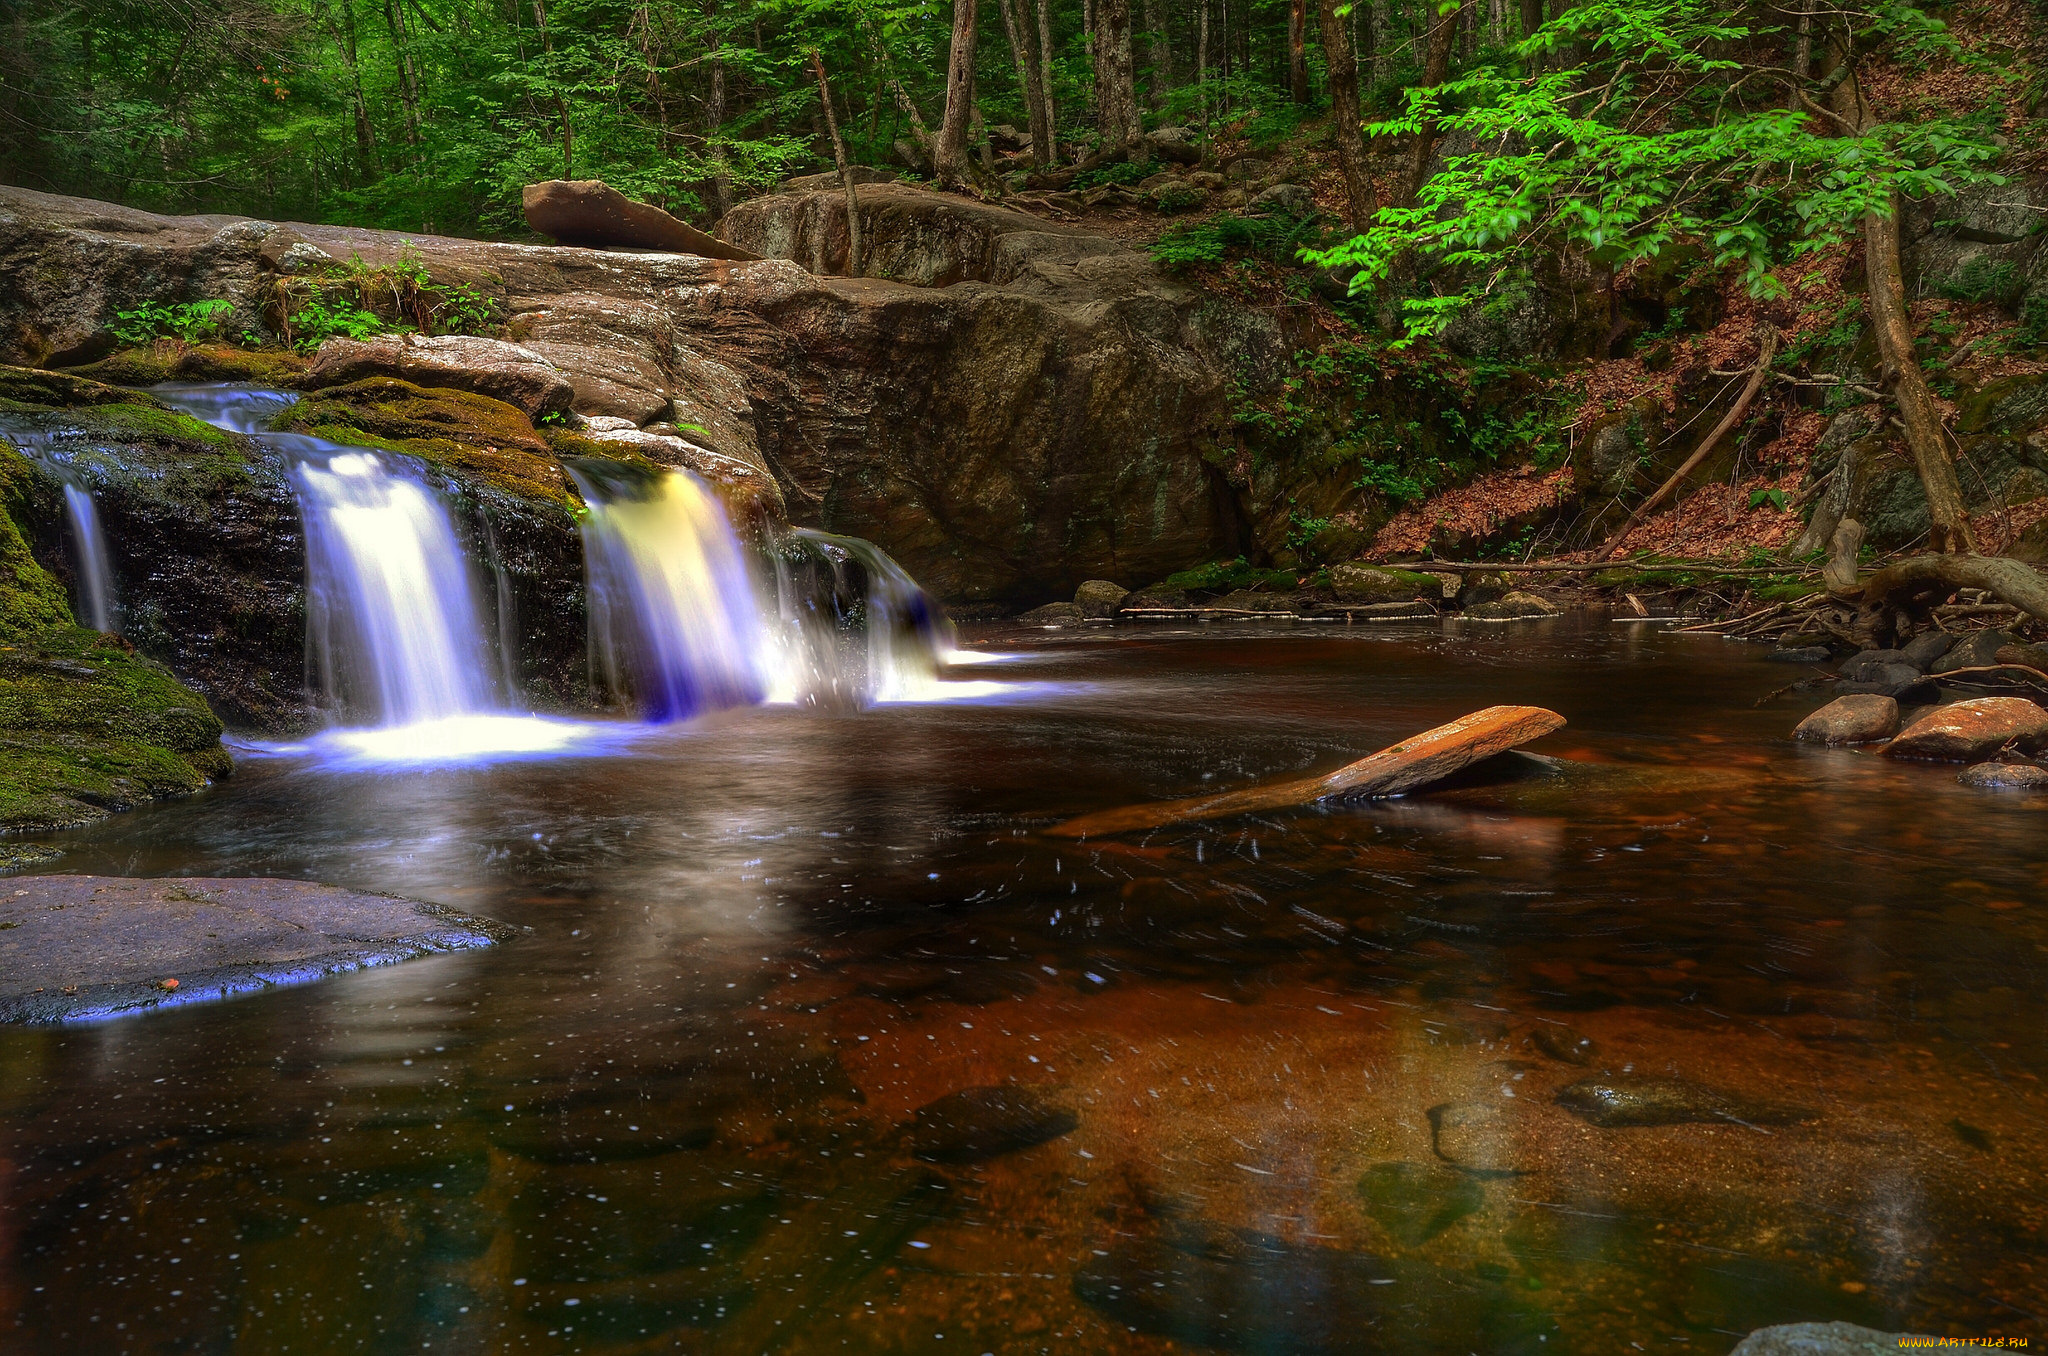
x=1843 y=1339
x=82 y=948
x=1413 y=763
x=1969 y=732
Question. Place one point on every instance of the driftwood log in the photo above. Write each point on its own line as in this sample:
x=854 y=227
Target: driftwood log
x=1411 y=764
x=1899 y=595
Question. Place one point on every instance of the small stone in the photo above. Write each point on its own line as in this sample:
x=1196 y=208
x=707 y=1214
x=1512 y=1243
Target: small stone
x=2005 y=777
x=1100 y=598
x=1859 y=719
x=1922 y=650
x=1799 y=654
x=1514 y=607
x=1977 y=650
x=1970 y=732
x=1637 y=1099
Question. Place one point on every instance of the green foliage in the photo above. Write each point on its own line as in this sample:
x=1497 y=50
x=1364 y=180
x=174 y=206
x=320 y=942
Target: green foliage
x=354 y=300
x=1639 y=165
x=1986 y=280
x=1302 y=531
x=190 y=322
x=1220 y=576
x=1394 y=483
x=1277 y=238
x=1777 y=499
x=1120 y=172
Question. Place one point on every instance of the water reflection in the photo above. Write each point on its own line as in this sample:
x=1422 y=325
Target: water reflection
x=1311 y=1060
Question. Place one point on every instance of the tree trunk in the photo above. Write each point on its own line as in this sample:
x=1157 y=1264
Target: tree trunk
x=714 y=119
x=1160 y=53
x=845 y=165
x=1892 y=322
x=1023 y=38
x=1436 y=65
x=1202 y=60
x=1052 y=113
x=1381 y=14
x=949 y=157
x=1297 y=51
x=1496 y=23
x=1116 y=88
x=1346 y=122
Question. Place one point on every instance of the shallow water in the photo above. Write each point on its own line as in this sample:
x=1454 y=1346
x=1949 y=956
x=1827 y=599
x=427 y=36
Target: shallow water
x=1310 y=1061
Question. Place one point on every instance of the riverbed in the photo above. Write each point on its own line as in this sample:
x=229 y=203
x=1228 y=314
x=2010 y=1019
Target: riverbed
x=1288 y=1083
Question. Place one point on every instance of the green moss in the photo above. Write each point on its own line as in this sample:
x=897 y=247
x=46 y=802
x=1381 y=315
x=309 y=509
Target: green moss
x=87 y=725
x=475 y=435
x=169 y=360
x=55 y=390
x=30 y=599
x=1225 y=575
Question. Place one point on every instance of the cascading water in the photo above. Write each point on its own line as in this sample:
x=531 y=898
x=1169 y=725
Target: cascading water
x=390 y=616
x=95 y=572
x=674 y=618
x=856 y=626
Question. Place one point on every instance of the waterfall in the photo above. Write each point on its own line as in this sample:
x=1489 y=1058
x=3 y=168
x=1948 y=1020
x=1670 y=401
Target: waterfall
x=95 y=574
x=390 y=617
x=675 y=622
x=870 y=634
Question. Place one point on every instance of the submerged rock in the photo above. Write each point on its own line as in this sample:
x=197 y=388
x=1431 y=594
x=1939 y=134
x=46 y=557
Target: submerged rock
x=1415 y=1202
x=1053 y=614
x=1843 y=1339
x=1858 y=719
x=85 y=947
x=1967 y=732
x=2005 y=777
x=978 y=1123
x=1638 y=1099
x=1565 y=1045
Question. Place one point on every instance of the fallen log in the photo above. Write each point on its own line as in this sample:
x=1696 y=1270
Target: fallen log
x=2013 y=581
x=1411 y=764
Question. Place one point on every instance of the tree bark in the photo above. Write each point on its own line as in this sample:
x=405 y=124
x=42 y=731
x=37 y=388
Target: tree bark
x=1116 y=89
x=1892 y=322
x=1909 y=582
x=714 y=118
x=1297 y=51
x=1023 y=36
x=1202 y=59
x=1767 y=348
x=1052 y=113
x=845 y=165
x=905 y=105
x=1160 y=54
x=1436 y=65
x=949 y=157
x=1346 y=122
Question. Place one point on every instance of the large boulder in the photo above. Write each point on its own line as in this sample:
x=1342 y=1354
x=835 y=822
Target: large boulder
x=592 y=212
x=1968 y=732
x=1100 y=598
x=1356 y=583
x=518 y=376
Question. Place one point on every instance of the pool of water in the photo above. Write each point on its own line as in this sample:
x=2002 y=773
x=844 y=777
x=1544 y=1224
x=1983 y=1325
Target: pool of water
x=1276 y=1085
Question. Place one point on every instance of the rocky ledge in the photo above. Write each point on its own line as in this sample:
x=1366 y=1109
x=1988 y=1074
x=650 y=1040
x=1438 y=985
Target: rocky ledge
x=82 y=948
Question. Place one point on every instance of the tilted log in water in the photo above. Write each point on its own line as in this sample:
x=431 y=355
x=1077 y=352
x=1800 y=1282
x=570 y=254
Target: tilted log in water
x=1412 y=763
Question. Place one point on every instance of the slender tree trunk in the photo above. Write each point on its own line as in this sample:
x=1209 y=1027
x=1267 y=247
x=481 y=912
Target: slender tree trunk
x=1116 y=89
x=907 y=106
x=1023 y=37
x=1802 y=53
x=1158 y=53
x=1045 y=53
x=714 y=120
x=1382 y=14
x=540 y=20
x=845 y=165
x=408 y=77
x=1365 y=42
x=343 y=31
x=1532 y=20
x=1436 y=65
x=1892 y=323
x=1297 y=51
x=1346 y=122
x=1496 y=23
x=1202 y=60
x=949 y=158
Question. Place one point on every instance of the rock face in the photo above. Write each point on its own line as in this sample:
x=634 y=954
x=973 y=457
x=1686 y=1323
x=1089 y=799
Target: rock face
x=518 y=376
x=1004 y=440
x=1967 y=732
x=85 y=947
x=1861 y=719
x=592 y=212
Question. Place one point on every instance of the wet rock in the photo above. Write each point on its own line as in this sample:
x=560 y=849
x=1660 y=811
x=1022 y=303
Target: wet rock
x=1159 y=599
x=1415 y=1202
x=1800 y=654
x=1253 y=600
x=1843 y=1339
x=1974 y=651
x=518 y=376
x=2033 y=656
x=1515 y=606
x=1564 y=1044
x=1354 y=583
x=1098 y=598
x=592 y=212
x=1876 y=666
x=1862 y=718
x=1637 y=1099
x=1971 y=731
x=1053 y=614
x=1922 y=650
x=978 y=1123
x=82 y=947
x=2005 y=777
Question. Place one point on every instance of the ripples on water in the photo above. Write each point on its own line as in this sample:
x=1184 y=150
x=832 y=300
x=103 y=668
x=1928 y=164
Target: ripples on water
x=1310 y=1059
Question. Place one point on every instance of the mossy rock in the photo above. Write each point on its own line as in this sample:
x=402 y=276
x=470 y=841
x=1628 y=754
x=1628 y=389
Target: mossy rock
x=168 y=360
x=2016 y=404
x=36 y=388
x=470 y=434
x=88 y=726
x=31 y=600
x=1224 y=576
